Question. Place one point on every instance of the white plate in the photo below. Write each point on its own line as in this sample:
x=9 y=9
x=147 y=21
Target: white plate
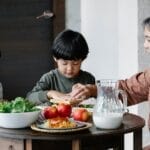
x=78 y=123
x=82 y=126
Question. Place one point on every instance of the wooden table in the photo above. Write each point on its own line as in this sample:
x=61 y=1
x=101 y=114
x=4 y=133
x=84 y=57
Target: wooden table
x=104 y=138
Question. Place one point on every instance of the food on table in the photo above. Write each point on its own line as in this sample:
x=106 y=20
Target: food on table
x=89 y=103
x=17 y=113
x=59 y=122
x=50 y=112
x=59 y=116
x=81 y=114
x=56 y=101
x=61 y=110
x=86 y=105
x=71 y=101
x=64 y=110
x=18 y=105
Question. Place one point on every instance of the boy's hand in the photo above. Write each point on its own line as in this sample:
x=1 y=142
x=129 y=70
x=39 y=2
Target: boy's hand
x=80 y=91
x=61 y=97
x=58 y=95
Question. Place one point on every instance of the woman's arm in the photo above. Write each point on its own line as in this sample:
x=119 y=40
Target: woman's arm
x=137 y=87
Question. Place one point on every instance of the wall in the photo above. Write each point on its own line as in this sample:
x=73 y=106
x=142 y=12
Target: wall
x=127 y=38
x=99 y=25
x=73 y=14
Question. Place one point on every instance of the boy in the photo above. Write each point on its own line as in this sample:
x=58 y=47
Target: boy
x=67 y=82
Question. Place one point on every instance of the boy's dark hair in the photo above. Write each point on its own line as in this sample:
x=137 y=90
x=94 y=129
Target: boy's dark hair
x=70 y=45
x=146 y=23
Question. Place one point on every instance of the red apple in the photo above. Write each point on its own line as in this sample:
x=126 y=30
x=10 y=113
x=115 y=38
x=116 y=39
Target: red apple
x=81 y=114
x=50 y=112
x=64 y=110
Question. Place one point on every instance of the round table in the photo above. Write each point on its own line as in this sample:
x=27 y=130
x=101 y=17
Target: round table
x=104 y=138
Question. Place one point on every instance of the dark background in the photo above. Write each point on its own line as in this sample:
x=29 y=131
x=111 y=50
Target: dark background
x=25 y=42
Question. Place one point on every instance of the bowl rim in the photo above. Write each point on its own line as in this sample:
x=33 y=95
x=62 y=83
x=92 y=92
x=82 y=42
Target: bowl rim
x=20 y=112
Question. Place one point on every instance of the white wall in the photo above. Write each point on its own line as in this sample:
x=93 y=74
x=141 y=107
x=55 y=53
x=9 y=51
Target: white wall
x=73 y=14
x=111 y=32
x=127 y=38
x=99 y=25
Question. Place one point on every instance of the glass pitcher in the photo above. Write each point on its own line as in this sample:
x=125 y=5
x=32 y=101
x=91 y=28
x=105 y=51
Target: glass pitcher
x=110 y=106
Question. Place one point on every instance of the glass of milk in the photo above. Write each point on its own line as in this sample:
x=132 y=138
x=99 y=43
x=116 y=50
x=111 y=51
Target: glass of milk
x=110 y=105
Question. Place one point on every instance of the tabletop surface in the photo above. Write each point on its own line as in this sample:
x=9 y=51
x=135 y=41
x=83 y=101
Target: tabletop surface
x=130 y=123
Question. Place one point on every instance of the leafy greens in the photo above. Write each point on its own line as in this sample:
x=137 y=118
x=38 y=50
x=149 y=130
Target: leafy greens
x=17 y=105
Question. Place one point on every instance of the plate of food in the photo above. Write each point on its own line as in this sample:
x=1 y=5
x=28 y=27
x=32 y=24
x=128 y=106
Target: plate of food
x=60 y=125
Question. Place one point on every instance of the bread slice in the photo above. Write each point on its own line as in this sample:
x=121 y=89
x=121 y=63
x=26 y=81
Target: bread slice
x=71 y=102
x=56 y=101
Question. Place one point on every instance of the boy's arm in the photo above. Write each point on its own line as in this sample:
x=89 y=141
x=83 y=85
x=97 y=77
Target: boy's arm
x=37 y=97
x=137 y=87
x=38 y=94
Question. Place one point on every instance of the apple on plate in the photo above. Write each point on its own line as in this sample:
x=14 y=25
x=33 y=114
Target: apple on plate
x=64 y=110
x=81 y=114
x=50 y=112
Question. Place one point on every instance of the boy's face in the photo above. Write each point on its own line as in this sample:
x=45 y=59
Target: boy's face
x=147 y=39
x=68 y=68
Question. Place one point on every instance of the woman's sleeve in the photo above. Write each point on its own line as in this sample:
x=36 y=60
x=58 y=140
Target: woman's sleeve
x=137 y=87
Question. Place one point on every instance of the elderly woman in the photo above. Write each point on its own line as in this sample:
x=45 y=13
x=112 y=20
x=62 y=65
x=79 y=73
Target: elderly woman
x=138 y=86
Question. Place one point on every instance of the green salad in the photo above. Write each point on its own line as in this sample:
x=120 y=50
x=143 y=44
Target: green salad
x=86 y=105
x=17 y=105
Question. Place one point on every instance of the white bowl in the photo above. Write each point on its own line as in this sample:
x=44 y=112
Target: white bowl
x=18 y=120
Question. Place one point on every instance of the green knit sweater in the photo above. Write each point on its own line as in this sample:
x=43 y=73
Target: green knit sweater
x=54 y=80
